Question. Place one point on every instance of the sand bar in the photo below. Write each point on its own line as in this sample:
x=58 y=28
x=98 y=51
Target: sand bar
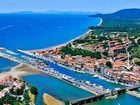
x=49 y=100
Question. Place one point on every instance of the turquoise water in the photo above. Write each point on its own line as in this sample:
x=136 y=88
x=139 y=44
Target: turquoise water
x=55 y=87
x=138 y=91
x=6 y=65
x=123 y=99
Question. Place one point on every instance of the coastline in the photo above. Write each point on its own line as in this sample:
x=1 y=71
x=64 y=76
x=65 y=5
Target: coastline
x=64 y=44
x=70 y=68
x=20 y=70
x=32 y=98
x=23 y=70
x=67 y=42
x=101 y=21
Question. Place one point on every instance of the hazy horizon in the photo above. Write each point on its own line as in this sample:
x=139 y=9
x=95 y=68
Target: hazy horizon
x=61 y=12
x=101 y=6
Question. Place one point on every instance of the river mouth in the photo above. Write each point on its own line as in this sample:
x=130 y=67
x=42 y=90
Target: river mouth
x=55 y=88
x=6 y=65
x=46 y=84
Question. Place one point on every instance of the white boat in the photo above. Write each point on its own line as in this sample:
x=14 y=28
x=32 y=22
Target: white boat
x=95 y=76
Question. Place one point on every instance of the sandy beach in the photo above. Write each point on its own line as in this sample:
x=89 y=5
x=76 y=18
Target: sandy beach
x=32 y=98
x=64 y=44
x=23 y=70
x=20 y=70
x=49 y=100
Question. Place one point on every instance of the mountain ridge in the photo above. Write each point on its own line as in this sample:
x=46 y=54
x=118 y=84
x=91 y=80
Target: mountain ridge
x=53 y=12
x=133 y=13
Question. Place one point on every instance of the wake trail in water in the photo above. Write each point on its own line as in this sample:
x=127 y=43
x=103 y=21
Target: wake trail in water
x=3 y=28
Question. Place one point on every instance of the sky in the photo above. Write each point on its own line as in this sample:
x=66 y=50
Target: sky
x=102 y=6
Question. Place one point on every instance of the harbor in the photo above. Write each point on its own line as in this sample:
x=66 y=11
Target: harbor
x=102 y=82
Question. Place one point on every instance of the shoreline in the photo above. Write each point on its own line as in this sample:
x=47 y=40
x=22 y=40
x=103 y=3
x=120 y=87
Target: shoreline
x=18 y=71
x=64 y=44
x=101 y=21
x=49 y=100
x=69 y=41
x=24 y=70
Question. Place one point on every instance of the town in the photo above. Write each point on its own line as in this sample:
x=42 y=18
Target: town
x=14 y=91
x=111 y=55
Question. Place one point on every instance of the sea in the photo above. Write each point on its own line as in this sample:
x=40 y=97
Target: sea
x=37 y=31
x=41 y=30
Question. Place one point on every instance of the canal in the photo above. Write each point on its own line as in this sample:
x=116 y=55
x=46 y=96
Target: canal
x=47 y=84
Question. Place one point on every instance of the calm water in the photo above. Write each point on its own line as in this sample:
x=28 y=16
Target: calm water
x=86 y=77
x=123 y=99
x=41 y=31
x=6 y=65
x=55 y=87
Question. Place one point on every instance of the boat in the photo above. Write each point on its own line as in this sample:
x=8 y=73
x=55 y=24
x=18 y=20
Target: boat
x=95 y=76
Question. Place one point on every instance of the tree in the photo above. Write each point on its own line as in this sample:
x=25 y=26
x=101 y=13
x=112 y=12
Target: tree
x=137 y=63
x=138 y=41
x=33 y=90
x=2 y=87
x=26 y=96
x=78 y=51
x=109 y=64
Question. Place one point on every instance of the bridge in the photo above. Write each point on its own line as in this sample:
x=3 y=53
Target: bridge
x=101 y=96
x=133 y=88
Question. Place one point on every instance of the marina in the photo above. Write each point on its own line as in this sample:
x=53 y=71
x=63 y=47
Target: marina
x=76 y=75
x=86 y=85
